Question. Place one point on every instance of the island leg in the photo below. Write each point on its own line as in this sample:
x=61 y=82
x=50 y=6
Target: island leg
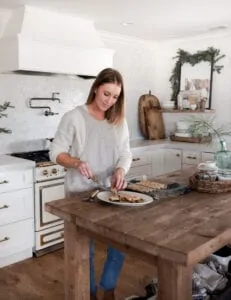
x=174 y=281
x=76 y=255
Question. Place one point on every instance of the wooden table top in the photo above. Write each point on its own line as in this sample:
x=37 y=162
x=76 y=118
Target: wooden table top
x=183 y=229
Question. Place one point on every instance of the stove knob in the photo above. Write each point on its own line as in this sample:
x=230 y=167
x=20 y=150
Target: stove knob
x=45 y=172
x=54 y=171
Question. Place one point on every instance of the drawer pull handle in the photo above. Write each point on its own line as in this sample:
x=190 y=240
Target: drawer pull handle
x=135 y=159
x=4 y=239
x=191 y=157
x=4 y=182
x=4 y=206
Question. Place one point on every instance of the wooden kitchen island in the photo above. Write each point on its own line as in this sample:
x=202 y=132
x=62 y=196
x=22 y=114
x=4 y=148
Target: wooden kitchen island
x=172 y=234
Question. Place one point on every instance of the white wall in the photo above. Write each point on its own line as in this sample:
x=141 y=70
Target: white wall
x=134 y=58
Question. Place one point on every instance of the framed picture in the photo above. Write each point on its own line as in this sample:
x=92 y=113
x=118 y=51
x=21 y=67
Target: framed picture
x=196 y=81
x=193 y=74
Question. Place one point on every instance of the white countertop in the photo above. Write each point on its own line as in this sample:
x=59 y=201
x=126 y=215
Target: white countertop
x=9 y=162
x=141 y=144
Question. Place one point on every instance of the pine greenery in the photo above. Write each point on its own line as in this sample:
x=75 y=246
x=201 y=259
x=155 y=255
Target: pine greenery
x=3 y=108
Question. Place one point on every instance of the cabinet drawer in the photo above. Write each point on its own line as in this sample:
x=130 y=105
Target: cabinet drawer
x=14 y=180
x=139 y=160
x=191 y=157
x=16 y=206
x=49 y=237
x=16 y=237
x=206 y=156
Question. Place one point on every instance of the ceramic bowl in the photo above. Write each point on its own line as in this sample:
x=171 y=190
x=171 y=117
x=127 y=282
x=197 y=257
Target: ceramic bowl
x=168 y=105
x=183 y=125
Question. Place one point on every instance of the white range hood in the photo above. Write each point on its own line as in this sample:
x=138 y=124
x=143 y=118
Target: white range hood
x=45 y=42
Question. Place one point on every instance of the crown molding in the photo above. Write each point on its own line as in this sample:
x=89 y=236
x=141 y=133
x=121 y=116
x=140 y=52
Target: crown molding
x=199 y=37
x=125 y=39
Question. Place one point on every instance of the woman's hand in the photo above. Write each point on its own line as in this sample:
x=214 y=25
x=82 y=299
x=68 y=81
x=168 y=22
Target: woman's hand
x=118 y=181
x=83 y=168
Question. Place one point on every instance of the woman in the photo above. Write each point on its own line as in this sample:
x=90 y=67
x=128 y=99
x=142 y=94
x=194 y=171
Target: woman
x=93 y=141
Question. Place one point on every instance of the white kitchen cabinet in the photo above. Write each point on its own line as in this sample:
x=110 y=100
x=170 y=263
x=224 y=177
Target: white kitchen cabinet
x=207 y=156
x=16 y=210
x=141 y=165
x=191 y=157
x=172 y=160
x=157 y=162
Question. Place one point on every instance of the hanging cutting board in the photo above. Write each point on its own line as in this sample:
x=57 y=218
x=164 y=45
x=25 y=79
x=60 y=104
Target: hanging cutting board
x=154 y=124
x=150 y=117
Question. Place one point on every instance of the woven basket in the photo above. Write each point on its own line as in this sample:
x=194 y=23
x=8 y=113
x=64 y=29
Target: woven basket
x=200 y=140
x=209 y=186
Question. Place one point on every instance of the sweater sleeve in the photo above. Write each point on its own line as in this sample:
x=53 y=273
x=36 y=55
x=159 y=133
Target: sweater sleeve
x=70 y=130
x=125 y=154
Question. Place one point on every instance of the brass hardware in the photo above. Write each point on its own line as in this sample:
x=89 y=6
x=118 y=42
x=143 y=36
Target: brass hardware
x=4 y=239
x=4 y=181
x=54 y=171
x=43 y=236
x=45 y=172
x=4 y=206
x=135 y=159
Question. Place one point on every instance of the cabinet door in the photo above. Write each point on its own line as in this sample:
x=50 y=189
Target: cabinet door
x=171 y=160
x=206 y=156
x=141 y=165
x=136 y=172
x=157 y=162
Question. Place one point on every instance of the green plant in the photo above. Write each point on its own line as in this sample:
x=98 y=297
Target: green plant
x=4 y=107
x=206 y=125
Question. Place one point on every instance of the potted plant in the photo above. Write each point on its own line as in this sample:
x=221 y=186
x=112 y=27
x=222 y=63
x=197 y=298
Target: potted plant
x=3 y=108
x=206 y=126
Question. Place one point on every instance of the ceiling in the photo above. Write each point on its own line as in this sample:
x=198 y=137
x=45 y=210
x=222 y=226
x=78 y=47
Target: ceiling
x=151 y=19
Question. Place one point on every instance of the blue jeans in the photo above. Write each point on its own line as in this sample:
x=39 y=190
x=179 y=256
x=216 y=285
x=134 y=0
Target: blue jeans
x=111 y=269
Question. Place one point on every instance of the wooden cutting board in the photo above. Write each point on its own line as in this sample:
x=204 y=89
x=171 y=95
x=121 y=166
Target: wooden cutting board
x=154 y=124
x=150 y=117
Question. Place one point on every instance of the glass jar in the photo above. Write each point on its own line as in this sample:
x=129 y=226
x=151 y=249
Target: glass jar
x=223 y=158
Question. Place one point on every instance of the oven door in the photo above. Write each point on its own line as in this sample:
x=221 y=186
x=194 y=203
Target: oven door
x=45 y=192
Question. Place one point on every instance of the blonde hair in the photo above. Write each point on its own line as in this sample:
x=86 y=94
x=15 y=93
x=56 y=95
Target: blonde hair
x=114 y=114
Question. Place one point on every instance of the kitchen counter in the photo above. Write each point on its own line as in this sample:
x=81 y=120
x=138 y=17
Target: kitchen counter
x=140 y=144
x=9 y=162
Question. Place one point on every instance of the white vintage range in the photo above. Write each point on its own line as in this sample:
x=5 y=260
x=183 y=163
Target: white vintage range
x=48 y=186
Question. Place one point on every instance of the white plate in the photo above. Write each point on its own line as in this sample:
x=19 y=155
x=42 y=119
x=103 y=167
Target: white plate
x=182 y=134
x=103 y=196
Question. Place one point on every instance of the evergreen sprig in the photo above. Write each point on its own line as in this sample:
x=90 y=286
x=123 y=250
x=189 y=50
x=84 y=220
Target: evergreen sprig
x=210 y=55
x=4 y=107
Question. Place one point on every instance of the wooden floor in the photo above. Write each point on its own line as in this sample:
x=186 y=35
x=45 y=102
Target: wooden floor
x=42 y=278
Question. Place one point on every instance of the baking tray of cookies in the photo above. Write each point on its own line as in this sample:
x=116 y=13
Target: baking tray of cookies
x=158 y=190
